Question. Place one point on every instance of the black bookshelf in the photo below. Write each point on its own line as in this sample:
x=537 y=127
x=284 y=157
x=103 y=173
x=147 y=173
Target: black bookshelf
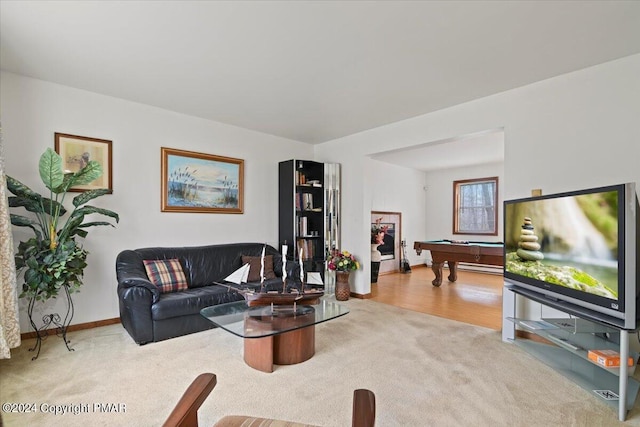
x=302 y=210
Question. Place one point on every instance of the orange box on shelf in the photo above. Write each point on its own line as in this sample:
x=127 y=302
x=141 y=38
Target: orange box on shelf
x=607 y=358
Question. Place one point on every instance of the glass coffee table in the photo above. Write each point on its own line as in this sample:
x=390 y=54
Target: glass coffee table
x=274 y=335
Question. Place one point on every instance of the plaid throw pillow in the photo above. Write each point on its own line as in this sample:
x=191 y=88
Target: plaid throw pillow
x=166 y=274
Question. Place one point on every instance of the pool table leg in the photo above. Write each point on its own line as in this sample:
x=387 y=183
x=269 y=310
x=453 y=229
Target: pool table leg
x=437 y=270
x=453 y=271
x=436 y=266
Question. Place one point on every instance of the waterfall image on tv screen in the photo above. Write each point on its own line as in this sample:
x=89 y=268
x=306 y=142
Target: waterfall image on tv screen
x=568 y=241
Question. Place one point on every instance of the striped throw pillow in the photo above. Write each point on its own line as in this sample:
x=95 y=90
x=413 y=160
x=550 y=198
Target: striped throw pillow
x=166 y=274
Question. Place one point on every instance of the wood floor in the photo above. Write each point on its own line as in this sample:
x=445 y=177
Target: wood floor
x=474 y=298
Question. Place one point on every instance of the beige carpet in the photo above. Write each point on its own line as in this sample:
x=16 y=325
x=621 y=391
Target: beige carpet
x=424 y=370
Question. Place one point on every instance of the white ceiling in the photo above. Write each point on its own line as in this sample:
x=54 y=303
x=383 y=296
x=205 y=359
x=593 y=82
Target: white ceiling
x=310 y=71
x=481 y=148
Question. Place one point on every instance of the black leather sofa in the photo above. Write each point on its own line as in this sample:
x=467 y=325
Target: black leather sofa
x=149 y=315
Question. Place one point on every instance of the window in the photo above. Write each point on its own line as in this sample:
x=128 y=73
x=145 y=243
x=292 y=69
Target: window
x=475 y=209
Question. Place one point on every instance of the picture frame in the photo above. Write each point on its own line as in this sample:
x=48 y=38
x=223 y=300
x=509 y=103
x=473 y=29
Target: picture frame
x=391 y=248
x=77 y=150
x=388 y=248
x=201 y=183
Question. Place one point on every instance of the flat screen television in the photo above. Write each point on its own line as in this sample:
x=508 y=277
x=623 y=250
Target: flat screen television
x=577 y=251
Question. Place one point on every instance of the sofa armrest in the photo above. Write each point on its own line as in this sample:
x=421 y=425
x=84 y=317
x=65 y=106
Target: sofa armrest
x=143 y=283
x=135 y=311
x=130 y=272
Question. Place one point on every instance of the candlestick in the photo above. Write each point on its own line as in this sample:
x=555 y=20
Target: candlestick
x=262 y=265
x=301 y=267
x=285 y=249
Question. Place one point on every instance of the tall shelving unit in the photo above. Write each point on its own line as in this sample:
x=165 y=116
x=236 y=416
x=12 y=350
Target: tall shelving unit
x=309 y=204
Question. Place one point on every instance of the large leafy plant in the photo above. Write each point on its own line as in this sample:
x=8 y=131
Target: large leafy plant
x=52 y=258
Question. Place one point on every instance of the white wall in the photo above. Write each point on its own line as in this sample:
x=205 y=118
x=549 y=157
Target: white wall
x=32 y=110
x=576 y=130
x=572 y=131
x=439 y=200
x=398 y=189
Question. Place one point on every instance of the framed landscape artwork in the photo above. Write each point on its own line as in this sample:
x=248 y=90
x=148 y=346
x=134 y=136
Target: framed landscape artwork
x=201 y=183
x=76 y=151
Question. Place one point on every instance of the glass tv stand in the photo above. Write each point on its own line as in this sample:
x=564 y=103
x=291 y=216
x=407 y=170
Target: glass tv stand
x=565 y=347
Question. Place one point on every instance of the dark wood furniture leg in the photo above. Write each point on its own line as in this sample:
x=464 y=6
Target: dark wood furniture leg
x=437 y=270
x=453 y=271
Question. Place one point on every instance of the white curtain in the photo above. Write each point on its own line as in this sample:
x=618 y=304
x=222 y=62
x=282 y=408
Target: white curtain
x=9 y=324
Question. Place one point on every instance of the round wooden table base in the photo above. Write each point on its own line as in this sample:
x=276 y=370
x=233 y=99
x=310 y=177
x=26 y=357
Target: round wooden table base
x=287 y=348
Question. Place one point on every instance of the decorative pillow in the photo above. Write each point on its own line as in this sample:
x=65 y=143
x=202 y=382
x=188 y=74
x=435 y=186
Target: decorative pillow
x=254 y=267
x=166 y=274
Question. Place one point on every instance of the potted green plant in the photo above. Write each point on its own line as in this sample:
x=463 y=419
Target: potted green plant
x=53 y=260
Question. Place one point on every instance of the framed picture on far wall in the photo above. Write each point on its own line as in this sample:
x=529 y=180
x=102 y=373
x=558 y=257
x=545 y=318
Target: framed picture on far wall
x=201 y=183
x=76 y=151
x=391 y=223
x=388 y=247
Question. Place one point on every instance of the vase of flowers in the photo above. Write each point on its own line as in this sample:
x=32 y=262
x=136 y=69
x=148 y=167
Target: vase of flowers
x=343 y=263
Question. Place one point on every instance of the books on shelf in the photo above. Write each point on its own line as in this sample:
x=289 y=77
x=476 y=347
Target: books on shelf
x=304 y=202
x=303 y=226
x=607 y=358
x=308 y=248
x=301 y=179
x=307 y=201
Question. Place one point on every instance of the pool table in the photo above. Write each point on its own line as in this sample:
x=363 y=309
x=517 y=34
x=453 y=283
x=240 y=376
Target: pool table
x=454 y=251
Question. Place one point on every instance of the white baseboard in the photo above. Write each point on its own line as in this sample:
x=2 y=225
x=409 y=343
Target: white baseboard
x=480 y=268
